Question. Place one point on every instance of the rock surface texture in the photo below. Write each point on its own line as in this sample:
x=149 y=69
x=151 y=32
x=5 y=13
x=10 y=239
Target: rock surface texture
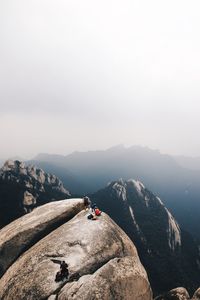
x=103 y=263
x=117 y=279
x=19 y=235
x=23 y=188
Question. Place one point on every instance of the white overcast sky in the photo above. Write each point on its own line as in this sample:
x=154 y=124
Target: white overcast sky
x=85 y=75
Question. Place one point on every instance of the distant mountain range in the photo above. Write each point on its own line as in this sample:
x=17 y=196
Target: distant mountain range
x=169 y=254
x=167 y=176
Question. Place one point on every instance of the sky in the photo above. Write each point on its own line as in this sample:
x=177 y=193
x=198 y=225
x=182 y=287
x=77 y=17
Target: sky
x=86 y=75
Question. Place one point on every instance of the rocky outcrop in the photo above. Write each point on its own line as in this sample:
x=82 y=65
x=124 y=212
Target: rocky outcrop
x=24 y=187
x=111 y=282
x=165 y=250
x=28 y=201
x=175 y=294
x=179 y=294
x=196 y=295
x=101 y=259
x=136 y=202
x=22 y=233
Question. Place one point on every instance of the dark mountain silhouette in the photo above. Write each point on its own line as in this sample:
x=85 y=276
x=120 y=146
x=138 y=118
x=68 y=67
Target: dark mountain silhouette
x=169 y=254
x=24 y=187
x=84 y=172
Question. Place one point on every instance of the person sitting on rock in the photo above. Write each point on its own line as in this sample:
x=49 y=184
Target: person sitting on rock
x=63 y=273
x=64 y=269
x=93 y=206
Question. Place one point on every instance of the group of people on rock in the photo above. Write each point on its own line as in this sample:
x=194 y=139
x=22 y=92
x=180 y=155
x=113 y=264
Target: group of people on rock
x=95 y=212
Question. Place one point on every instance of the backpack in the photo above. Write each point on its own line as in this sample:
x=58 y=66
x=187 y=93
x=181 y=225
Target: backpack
x=91 y=217
x=97 y=212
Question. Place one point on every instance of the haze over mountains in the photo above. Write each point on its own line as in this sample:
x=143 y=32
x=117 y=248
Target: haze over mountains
x=79 y=75
x=166 y=176
x=192 y=163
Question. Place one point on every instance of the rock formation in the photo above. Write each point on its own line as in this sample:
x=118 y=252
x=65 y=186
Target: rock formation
x=24 y=187
x=175 y=294
x=22 y=233
x=103 y=262
x=117 y=279
x=179 y=294
x=196 y=295
x=166 y=251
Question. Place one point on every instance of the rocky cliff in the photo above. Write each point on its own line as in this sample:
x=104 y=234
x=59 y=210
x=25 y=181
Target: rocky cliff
x=103 y=262
x=22 y=233
x=24 y=187
x=179 y=294
x=165 y=250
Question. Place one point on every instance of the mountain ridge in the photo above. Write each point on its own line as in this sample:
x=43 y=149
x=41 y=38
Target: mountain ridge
x=24 y=187
x=162 y=245
x=177 y=186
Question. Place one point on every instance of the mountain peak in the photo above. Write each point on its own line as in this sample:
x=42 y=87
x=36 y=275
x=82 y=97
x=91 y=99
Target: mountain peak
x=116 y=148
x=12 y=165
x=161 y=243
x=120 y=185
x=24 y=187
x=137 y=201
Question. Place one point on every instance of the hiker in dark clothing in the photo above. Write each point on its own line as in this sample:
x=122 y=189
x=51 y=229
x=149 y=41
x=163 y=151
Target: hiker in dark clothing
x=63 y=273
x=93 y=206
x=87 y=202
x=64 y=269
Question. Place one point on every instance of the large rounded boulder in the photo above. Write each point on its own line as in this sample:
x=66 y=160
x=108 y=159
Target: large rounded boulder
x=120 y=278
x=103 y=264
x=22 y=233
